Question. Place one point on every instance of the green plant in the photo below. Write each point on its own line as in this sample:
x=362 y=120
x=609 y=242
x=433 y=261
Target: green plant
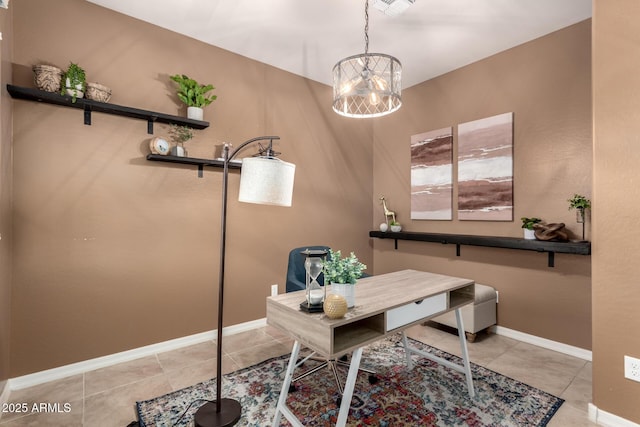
x=192 y=93
x=180 y=134
x=342 y=270
x=394 y=222
x=529 y=222
x=579 y=202
x=77 y=80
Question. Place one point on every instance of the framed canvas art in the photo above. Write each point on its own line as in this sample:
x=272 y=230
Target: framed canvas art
x=485 y=169
x=432 y=175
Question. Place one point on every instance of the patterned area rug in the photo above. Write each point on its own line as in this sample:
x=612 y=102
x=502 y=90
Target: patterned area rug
x=428 y=395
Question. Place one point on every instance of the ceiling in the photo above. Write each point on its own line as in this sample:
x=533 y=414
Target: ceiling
x=308 y=37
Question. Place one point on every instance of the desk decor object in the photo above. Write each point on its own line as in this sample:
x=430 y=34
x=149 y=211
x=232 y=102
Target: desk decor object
x=314 y=293
x=335 y=306
x=263 y=180
x=343 y=273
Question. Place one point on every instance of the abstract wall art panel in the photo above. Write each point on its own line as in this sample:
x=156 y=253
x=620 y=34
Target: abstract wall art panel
x=485 y=169
x=432 y=175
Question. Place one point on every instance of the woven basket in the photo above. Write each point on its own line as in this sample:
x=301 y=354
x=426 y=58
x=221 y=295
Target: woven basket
x=98 y=92
x=47 y=77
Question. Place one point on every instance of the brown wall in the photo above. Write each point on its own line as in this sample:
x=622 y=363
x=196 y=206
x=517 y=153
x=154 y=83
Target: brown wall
x=5 y=197
x=616 y=119
x=546 y=83
x=114 y=252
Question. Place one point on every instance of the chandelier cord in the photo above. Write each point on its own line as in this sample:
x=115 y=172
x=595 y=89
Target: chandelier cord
x=366 y=33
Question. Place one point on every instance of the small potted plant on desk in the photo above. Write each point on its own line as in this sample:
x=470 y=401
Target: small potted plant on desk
x=343 y=274
x=194 y=95
x=527 y=225
x=580 y=203
x=180 y=135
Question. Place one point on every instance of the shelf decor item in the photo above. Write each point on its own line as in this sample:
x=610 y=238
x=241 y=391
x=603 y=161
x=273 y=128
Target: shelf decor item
x=180 y=135
x=528 y=227
x=75 y=81
x=343 y=274
x=47 y=77
x=264 y=180
x=194 y=95
x=98 y=92
x=395 y=226
x=159 y=145
x=580 y=203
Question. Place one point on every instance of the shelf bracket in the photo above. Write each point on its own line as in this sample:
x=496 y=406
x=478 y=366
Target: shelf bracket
x=87 y=115
x=396 y=244
x=150 y=124
x=457 y=249
x=200 y=171
x=551 y=260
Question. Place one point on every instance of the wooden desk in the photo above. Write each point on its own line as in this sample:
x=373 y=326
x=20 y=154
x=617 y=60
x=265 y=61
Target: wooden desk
x=385 y=304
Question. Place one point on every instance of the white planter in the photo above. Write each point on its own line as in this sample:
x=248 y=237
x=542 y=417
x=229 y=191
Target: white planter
x=177 y=151
x=195 y=113
x=71 y=90
x=347 y=290
x=529 y=234
x=396 y=228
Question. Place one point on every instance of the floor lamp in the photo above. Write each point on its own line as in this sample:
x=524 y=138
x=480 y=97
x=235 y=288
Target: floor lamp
x=263 y=180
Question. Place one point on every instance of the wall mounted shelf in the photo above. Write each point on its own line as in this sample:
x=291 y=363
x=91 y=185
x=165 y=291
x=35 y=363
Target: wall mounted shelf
x=201 y=163
x=89 y=106
x=576 y=248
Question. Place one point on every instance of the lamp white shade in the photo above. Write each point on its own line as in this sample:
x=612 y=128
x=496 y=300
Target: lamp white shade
x=266 y=181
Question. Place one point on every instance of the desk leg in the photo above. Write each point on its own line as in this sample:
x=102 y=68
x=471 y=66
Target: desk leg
x=465 y=368
x=348 y=388
x=465 y=353
x=281 y=408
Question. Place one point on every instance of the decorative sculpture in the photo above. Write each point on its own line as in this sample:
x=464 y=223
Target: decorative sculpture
x=387 y=212
x=554 y=231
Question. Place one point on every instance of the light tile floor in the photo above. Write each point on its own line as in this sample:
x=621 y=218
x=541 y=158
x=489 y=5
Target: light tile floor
x=106 y=397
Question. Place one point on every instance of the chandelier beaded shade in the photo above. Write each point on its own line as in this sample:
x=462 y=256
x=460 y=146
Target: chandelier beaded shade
x=367 y=85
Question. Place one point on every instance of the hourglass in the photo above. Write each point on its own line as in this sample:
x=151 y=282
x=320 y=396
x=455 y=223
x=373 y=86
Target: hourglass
x=315 y=293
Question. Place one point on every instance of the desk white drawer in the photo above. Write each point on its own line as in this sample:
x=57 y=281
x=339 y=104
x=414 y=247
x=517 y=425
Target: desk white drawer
x=410 y=313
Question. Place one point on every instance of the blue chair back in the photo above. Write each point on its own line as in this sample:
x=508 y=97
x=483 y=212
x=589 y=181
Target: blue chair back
x=296 y=274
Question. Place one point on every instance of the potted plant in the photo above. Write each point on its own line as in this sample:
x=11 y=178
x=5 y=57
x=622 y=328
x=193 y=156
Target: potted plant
x=527 y=225
x=180 y=135
x=580 y=203
x=395 y=226
x=75 y=81
x=194 y=95
x=343 y=273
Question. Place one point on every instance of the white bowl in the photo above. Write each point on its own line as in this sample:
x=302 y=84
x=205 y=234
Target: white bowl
x=396 y=228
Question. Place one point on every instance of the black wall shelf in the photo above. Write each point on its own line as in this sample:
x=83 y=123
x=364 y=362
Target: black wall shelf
x=576 y=248
x=89 y=106
x=201 y=163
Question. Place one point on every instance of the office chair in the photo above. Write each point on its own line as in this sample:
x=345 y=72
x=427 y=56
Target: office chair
x=296 y=281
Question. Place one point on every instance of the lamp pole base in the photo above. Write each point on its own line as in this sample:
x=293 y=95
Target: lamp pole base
x=206 y=415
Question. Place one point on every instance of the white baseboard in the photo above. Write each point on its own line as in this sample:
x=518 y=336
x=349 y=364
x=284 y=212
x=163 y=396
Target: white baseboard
x=603 y=418
x=125 y=356
x=570 y=350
